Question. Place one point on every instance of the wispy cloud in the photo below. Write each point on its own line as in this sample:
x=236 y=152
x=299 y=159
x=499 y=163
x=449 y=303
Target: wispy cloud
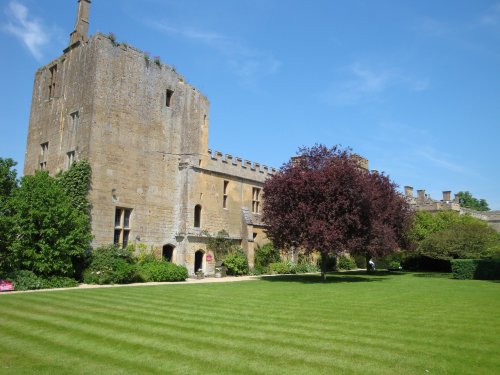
x=365 y=83
x=492 y=16
x=26 y=28
x=249 y=64
x=440 y=159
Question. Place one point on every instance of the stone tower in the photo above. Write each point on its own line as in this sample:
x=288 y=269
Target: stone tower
x=144 y=131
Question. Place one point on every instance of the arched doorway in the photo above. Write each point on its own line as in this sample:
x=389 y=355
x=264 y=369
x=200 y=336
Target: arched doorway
x=198 y=260
x=168 y=253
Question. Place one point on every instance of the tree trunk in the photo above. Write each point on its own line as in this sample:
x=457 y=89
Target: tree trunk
x=368 y=268
x=324 y=267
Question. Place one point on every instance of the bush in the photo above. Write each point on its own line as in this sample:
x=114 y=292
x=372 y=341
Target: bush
x=111 y=265
x=306 y=267
x=281 y=268
x=360 y=261
x=416 y=262
x=345 y=262
x=265 y=255
x=236 y=263
x=59 y=282
x=25 y=280
x=479 y=269
x=162 y=271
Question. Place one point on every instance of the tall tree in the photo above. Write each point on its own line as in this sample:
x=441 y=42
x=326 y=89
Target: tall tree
x=51 y=234
x=322 y=200
x=466 y=200
x=8 y=184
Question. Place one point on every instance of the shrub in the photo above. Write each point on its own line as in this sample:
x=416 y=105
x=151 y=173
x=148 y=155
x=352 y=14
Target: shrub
x=266 y=254
x=111 y=265
x=360 y=261
x=306 y=267
x=345 y=262
x=25 y=280
x=59 y=282
x=236 y=263
x=162 y=271
x=416 y=262
x=281 y=268
x=479 y=269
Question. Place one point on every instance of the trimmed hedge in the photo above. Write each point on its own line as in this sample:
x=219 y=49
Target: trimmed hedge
x=27 y=280
x=162 y=271
x=478 y=269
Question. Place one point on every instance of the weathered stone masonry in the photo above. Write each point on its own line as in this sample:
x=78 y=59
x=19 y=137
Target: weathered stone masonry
x=144 y=131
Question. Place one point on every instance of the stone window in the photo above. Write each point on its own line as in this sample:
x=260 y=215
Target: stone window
x=224 y=191
x=197 y=216
x=74 y=120
x=52 y=83
x=255 y=200
x=122 y=226
x=71 y=158
x=168 y=97
x=44 y=151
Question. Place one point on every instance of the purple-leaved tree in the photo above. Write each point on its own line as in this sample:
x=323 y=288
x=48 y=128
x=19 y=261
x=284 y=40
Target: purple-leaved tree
x=323 y=200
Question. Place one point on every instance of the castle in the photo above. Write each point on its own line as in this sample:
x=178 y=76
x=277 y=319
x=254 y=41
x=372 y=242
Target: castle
x=423 y=202
x=144 y=131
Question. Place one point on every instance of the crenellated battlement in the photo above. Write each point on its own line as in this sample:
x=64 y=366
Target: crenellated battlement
x=233 y=164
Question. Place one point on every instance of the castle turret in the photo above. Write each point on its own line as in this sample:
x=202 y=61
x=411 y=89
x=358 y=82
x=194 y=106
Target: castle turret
x=80 y=32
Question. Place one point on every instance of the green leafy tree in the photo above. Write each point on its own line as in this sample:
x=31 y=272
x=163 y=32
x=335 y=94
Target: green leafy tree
x=466 y=200
x=8 y=184
x=51 y=234
x=462 y=240
x=426 y=223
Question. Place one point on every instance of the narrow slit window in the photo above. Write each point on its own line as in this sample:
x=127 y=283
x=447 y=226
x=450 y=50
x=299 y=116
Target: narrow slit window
x=52 y=84
x=168 y=97
x=122 y=226
x=74 y=120
x=197 y=216
x=224 y=197
x=255 y=200
x=44 y=151
x=71 y=158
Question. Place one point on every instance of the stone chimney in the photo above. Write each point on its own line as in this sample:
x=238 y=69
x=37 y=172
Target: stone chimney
x=409 y=191
x=79 y=34
x=421 y=195
x=446 y=196
x=456 y=200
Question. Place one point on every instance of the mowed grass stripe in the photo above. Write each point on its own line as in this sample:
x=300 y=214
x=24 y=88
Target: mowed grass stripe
x=404 y=331
x=331 y=325
x=294 y=356
x=310 y=340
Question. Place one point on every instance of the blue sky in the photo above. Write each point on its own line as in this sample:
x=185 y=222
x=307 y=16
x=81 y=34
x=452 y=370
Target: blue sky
x=414 y=86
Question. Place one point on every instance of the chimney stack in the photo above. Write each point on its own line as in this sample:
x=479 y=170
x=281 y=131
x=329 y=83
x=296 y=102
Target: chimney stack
x=409 y=191
x=80 y=32
x=421 y=195
x=447 y=196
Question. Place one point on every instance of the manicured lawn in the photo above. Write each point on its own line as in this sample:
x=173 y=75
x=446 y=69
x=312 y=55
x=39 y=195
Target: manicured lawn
x=354 y=324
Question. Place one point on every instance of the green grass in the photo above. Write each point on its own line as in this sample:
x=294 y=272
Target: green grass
x=353 y=324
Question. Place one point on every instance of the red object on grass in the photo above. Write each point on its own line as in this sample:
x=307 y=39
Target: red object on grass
x=6 y=286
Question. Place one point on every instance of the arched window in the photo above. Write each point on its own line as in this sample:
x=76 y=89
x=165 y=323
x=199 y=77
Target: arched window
x=197 y=216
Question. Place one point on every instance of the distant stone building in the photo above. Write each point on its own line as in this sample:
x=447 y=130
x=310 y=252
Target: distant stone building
x=144 y=131
x=423 y=202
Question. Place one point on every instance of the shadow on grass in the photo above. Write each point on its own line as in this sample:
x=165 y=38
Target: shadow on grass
x=333 y=277
x=436 y=275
